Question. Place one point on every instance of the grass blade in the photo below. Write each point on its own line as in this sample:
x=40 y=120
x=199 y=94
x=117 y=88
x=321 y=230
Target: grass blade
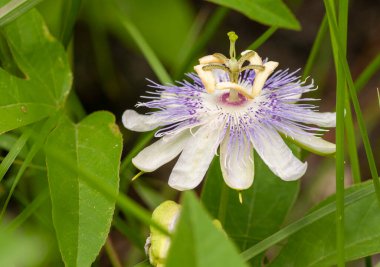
x=367 y=73
x=46 y=128
x=354 y=98
x=12 y=154
x=263 y=38
x=312 y=217
x=315 y=49
x=14 y=9
x=208 y=32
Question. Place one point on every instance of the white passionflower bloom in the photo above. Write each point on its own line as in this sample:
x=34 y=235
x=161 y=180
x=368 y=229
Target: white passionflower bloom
x=236 y=105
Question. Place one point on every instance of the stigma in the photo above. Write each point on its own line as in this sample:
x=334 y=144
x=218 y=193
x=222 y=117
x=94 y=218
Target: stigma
x=211 y=66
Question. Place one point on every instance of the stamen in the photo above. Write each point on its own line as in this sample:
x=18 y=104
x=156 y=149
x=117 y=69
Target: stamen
x=220 y=56
x=211 y=67
x=240 y=197
x=253 y=67
x=245 y=57
x=233 y=37
x=137 y=175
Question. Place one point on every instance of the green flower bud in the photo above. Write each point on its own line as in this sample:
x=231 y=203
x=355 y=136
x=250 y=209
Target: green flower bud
x=157 y=245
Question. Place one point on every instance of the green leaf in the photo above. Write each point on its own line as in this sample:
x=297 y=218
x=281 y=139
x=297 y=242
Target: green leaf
x=197 y=242
x=317 y=240
x=47 y=77
x=268 y=12
x=82 y=215
x=264 y=208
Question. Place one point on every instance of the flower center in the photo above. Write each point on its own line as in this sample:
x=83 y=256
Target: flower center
x=238 y=100
x=232 y=67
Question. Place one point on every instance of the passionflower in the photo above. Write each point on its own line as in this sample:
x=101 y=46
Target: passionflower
x=236 y=105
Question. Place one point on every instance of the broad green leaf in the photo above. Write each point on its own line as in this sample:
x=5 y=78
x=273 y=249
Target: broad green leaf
x=197 y=242
x=47 y=77
x=264 y=208
x=268 y=12
x=82 y=215
x=317 y=240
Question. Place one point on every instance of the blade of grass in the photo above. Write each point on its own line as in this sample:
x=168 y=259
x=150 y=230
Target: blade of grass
x=46 y=128
x=12 y=154
x=28 y=211
x=141 y=143
x=70 y=11
x=263 y=38
x=14 y=9
x=315 y=48
x=146 y=50
x=130 y=233
x=340 y=103
x=208 y=32
x=367 y=73
x=312 y=217
x=351 y=143
x=112 y=254
x=354 y=98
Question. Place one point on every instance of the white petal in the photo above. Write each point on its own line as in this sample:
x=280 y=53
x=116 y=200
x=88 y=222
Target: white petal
x=262 y=76
x=195 y=158
x=207 y=78
x=312 y=143
x=139 y=123
x=161 y=152
x=322 y=119
x=276 y=154
x=237 y=164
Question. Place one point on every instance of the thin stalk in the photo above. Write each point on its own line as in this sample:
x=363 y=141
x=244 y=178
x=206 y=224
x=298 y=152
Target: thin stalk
x=38 y=144
x=367 y=73
x=13 y=153
x=351 y=143
x=208 y=32
x=312 y=217
x=354 y=98
x=112 y=254
x=263 y=38
x=223 y=204
x=144 y=47
x=14 y=9
x=340 y=103
x=145 y=139
x=315 y=48
x=28 y=211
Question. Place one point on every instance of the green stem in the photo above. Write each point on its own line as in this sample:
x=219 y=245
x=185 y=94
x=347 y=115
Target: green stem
x=351 y=143
x=208 y=32
x=146 y=50
x=315 y=49
x=263 y=38
x=354 y=98
x=340 y=104
x=223 y=204
x=112 y=255
x=367 y=73
x=312 y=217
